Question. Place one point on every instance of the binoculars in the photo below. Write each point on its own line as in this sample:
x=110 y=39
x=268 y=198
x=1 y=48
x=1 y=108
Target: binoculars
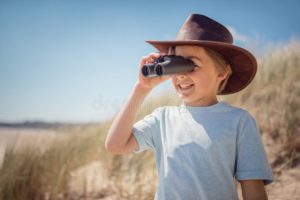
x=166 y=65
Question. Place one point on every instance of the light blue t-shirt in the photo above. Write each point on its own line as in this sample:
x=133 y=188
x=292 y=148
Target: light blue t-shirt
x=200 y=151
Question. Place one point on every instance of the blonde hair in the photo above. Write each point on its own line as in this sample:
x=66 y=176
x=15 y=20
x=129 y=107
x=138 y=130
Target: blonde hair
x=221 y=65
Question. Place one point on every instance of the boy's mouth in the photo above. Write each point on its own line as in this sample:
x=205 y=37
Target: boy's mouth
x=185 y=87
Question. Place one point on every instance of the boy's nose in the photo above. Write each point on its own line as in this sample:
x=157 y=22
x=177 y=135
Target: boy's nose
x=180 y=76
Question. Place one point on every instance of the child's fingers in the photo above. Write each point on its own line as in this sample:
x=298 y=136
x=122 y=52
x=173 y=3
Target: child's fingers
x=144 y=59
x=154 y=55
x=149 y=58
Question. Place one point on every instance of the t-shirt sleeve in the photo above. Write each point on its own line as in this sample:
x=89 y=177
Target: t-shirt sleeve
x=251 y=161
x=145 y=130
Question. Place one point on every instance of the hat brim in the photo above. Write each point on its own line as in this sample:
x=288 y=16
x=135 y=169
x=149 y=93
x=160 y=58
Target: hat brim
x=242 y=62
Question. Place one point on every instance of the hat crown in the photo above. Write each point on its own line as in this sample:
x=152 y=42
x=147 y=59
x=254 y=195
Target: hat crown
x=200 y=27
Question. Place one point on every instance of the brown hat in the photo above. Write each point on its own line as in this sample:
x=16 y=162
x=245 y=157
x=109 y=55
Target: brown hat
x=203 y=31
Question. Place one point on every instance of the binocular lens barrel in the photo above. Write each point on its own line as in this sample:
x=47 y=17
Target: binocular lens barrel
x=159 y=70
x=148 y=70
x=167 y=65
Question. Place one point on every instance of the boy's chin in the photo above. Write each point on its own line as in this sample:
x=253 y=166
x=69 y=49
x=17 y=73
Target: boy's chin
x=185 y=99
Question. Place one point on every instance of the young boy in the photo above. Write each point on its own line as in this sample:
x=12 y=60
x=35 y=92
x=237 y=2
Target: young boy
x=202 y=146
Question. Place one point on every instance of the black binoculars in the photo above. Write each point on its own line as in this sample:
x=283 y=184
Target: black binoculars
x=166 y=65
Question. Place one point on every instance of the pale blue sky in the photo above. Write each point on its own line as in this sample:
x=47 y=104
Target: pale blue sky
x=73 y=61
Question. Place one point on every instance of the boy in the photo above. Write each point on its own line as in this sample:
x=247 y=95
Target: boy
x=202 y=145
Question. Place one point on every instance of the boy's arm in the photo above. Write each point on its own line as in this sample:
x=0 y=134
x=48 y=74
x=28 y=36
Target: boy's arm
x=253 y=190
x=120 y=139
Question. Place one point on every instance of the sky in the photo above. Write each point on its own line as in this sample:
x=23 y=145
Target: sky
x=77 y=61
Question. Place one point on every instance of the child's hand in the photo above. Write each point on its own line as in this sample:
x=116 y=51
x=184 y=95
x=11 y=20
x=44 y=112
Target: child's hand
x=150 y=82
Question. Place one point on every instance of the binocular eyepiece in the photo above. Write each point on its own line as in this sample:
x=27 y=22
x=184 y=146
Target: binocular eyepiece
x=166 y=65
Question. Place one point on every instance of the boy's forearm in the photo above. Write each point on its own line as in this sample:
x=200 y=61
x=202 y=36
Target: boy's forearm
x=120 y=130
x=253 y=190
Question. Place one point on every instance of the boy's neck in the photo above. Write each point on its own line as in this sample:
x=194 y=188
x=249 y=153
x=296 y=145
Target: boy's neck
x=202 y=102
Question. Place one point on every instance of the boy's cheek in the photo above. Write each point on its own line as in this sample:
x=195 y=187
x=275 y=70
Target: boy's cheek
x=173 y=80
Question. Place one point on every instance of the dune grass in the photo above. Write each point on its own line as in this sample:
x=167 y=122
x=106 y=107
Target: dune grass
x=43 y=173
x=35 y=172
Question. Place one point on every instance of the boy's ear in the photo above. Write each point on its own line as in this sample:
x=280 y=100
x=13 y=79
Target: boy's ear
x=224 y=74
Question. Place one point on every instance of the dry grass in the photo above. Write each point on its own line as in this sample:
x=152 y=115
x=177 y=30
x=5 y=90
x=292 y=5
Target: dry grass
x=34 y=172
x=273 y=98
